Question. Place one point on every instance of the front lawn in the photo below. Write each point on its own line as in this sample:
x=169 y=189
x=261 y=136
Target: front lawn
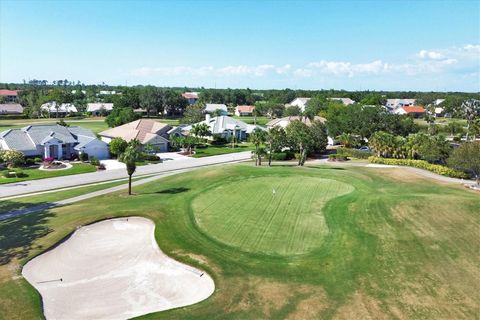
x=35 y=173
x=261 y=120
x=212 y=150
x=350 y=243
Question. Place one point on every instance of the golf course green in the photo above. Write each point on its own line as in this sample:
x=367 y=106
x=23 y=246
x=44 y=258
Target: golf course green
x=274 y=215
x=283 y=242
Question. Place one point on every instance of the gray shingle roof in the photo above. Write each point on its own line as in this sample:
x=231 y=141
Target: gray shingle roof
x=28 y=138
x=17 y=139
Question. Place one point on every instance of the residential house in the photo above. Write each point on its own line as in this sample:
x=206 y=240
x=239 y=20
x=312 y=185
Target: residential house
x=345 y=101
x=63 y=110
x=226 y=127
x=11 y=108
x=285 y=121
x=438 y=109
x=53 y=141
x=393 y=104
x=415 y=111
x=213 y=107
x=147 y=131
x=99 y=108
x=244 y=110
x=192 y=97
x=9 y=95
x=301 y=103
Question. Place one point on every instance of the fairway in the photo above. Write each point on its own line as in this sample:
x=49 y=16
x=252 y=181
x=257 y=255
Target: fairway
x=273 y=215
x=331 y=243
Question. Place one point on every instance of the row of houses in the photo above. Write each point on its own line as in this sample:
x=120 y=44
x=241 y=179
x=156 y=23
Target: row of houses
x=397 y=106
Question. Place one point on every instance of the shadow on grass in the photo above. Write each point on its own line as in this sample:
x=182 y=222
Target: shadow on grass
x=325 y=168
x=173 y=190
x=18 y=234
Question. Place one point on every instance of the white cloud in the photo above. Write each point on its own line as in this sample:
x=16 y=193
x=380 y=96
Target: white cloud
x=424 y=54
x=472 y=47
x=454 y=59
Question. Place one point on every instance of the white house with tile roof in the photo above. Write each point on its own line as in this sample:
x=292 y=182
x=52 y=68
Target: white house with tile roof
x=54 y=141
x=147 y=131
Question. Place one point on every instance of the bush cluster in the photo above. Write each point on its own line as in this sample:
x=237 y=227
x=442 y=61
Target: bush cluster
x=149 y=157
x=14 y=174
x=281 y=156
x=338 y=157
x=421 y=164
x=354 y=153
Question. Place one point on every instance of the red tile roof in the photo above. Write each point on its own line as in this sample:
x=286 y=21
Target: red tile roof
x=245 y=108
x=5 y=92
x=414 y=109
x=190 y=95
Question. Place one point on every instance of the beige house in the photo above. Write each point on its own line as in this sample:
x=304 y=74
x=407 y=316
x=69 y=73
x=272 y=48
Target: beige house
x=147 y=131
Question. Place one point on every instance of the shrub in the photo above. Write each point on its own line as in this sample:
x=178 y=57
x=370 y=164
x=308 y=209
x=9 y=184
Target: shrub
x=354 y=153
x=14 y=174
x=94 y=161
x=48 y=159
x=421 y=164
x=83 y=156
x=29 y=161
x=13 y=158
x=37 y=159
x=117 y=146
x=149 y=157
x=337 y=157
x=279 y=156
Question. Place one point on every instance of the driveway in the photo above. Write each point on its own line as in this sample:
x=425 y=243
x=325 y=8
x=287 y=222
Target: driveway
x=113 y=164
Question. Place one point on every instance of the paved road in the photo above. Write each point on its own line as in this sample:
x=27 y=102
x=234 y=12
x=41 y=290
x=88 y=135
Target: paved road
x=12 y=189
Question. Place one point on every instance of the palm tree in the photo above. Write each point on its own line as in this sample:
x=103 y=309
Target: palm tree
x=257 y=137
x=130 y=157
x=201 y=130
x=348 y=140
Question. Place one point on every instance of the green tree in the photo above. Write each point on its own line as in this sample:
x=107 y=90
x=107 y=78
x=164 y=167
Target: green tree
x=193 y=114
x=276 y=139
x=130 y=157
x=300 y=138
x=467 y=158
x=471 y=111
x=117 y=146
x=292 y=111
x=120 y=116
x=258 y=137
x=201 y=130
x=348 y=140
x=319 y=137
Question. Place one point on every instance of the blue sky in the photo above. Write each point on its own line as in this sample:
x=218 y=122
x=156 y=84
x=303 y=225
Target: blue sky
x=354 y=45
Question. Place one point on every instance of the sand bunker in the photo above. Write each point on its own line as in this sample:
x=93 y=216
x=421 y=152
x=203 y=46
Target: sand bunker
x=113 y=269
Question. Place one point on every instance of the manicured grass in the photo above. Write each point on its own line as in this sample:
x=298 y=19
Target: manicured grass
x=23 y=202
x=211 y=150
x=251 y=120
x=283 y=215
x=397 y=246
x=95 y=125
x=35 y=173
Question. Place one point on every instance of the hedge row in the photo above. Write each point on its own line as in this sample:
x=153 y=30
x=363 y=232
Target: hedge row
x=354 y=153
x=421 y=164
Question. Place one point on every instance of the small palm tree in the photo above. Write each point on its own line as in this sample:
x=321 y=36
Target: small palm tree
x=130 y=157
x=257 y=137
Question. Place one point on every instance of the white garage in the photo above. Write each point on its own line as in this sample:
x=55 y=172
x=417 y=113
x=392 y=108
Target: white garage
x=94 y=148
